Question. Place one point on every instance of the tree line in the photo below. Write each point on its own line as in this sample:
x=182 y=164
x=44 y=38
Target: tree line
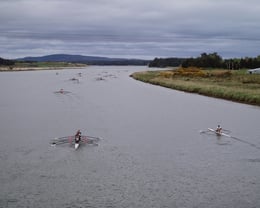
x=165 y=62
x=6 y=62
x=211 y=60
x=89 y=61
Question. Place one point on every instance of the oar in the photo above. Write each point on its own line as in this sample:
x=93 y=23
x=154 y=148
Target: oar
x=246 y=142
x=92 y=137
x=241 y=140
x=60 y=140
x=203 y=131
x=226 y=130
x=223 y=134
x=89 y=140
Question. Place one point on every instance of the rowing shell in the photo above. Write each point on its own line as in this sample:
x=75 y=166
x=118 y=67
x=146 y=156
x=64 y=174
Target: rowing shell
x=76 y=145
x=218 y=133
x=71 y=140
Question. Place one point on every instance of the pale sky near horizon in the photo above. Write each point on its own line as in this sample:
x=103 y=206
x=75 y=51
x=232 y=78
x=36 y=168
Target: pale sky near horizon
x=130 y=28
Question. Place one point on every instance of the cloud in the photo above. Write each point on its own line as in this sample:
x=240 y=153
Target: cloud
x=141 y=28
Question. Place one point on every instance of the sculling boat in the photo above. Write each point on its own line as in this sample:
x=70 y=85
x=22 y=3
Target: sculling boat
x=71 y=140
x=76 y=145
x=232 y=137
x=61 y=91
x=218 y=133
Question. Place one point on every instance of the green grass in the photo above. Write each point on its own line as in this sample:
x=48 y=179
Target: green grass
x=236 y=86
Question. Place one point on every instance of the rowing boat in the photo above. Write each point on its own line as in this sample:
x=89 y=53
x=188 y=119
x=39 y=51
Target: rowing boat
x=76 y=145
x=218 y=133
x=232 y=137
x=71 y=140
x=61 y=91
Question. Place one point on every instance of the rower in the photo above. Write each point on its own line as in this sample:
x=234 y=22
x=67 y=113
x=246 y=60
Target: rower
x=78 y=136
x=61 y=91
x=219 y=129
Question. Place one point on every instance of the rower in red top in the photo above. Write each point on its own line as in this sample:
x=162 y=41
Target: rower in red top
x=78 y=136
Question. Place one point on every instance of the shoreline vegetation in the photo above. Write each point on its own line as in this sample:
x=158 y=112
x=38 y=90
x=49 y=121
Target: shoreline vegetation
x=233 y=85
x=35 y=66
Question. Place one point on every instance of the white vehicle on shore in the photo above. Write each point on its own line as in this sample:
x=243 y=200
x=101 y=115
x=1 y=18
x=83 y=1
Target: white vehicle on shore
x=254 y=71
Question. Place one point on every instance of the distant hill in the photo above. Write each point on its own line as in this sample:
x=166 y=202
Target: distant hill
x=91 y=60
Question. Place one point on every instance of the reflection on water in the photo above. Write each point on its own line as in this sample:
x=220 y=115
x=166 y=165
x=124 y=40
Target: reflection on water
x=151 y=155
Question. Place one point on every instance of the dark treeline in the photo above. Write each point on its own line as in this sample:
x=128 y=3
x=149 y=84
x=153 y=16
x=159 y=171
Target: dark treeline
x=205 y=60
x=165 y=62
x=6 y=62
x=212 y=60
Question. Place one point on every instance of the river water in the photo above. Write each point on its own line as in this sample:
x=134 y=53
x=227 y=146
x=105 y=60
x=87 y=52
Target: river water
x=151 y=154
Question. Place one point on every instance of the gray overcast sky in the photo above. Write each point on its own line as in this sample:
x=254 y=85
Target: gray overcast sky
x=130 y=28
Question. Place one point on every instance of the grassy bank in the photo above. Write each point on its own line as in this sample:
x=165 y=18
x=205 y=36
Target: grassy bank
x=230 y=85
x=27 y=66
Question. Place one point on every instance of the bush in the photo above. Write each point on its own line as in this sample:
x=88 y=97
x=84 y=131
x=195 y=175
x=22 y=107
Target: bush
x=190 y=72
x=166 y=74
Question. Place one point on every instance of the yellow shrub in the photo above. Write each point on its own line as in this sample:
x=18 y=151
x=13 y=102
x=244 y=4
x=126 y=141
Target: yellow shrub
x=190 y=71
x=166 y=74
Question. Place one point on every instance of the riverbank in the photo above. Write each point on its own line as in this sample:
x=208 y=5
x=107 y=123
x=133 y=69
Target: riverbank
x=236 y=85
x=36 y=66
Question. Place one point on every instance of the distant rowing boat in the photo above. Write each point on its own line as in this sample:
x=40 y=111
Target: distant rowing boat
x=71 y=140
x=61 y=91
x=232 y=137
x=218 y=133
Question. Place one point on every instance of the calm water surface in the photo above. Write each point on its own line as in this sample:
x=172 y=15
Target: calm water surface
x=151 y=154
